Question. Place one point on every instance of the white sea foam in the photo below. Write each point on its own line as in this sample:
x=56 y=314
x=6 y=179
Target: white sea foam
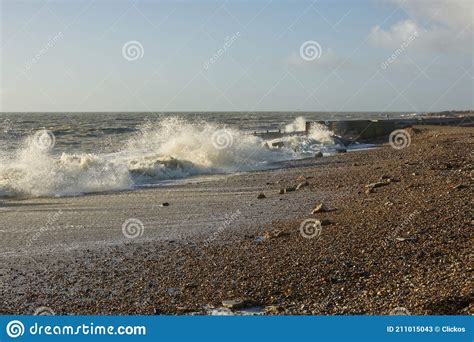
x=298 y=125
x=168 y=149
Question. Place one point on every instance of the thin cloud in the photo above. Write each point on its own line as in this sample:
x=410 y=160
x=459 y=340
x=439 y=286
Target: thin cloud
x=443 y=26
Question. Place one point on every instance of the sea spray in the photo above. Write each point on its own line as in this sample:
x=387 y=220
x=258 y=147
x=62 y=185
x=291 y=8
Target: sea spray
x=170 y=148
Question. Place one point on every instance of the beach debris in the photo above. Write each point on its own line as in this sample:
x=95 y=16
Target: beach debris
x=282 y=191
x=164 y=204
x=261 y=195
x=318 y=154
x=239 y=303
x=223 y=311
x=377 y=184
x=274 y=309
x=321 y=208
x=369 y=190
x=301 y=178
x=460 y=186
x=399 y=311
x=341 y=150
x=173 y=291
x=302 y=184
x=274 y=234
x=184 y=310
x=401 y=239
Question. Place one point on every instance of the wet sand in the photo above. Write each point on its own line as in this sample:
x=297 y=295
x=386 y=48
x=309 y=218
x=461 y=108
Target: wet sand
x=405 y=244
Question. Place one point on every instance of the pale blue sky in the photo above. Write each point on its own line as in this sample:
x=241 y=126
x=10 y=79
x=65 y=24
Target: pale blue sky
x=67 y=55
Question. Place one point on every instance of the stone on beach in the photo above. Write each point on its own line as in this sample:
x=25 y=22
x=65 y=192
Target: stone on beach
x=239 y=303
x=261 y=195
x=378 y=184
x=321 y=208
x=301 y=178
x=275 y=234
x=302 y=184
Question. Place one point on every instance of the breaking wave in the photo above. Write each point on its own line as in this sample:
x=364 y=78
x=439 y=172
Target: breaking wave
x=171 y=148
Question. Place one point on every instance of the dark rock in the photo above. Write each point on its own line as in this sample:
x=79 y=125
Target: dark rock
x=261 y=195
x=278 y=144
x=164 y=204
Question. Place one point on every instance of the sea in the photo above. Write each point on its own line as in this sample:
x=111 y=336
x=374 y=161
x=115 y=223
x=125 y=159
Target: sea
x=73 y=154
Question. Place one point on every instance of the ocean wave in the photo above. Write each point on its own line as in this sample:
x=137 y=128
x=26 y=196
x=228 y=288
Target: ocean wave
x=171 y=148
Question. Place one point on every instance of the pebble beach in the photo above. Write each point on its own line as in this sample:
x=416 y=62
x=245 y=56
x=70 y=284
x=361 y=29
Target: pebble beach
x=394 y=235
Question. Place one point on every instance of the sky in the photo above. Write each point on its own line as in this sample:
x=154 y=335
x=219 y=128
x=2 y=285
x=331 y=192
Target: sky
x=261 y=55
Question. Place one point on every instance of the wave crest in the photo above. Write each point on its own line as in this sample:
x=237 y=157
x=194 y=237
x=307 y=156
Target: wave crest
x=171 y=148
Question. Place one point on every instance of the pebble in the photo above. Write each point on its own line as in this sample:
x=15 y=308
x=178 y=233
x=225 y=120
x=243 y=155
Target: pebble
x=261 y=195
